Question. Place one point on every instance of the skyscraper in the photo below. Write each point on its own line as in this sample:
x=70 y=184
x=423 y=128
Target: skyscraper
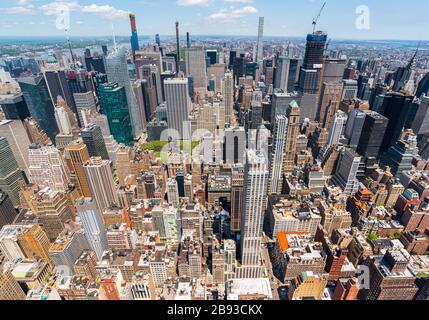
x=196 y=67
x=100 y=179
x=228 y=97
x=282 y=74
x=178 y=103
x=276 y=170
x=114 y=105
x=237 y=186
x=17 y=138
x=92 y=223
x=254 y=205
x=347 y=168
x=177 y=48
x=7 y=210
x=36 y=95
x=84 y=101
x=93 y=138
x=336 y=129
x=293 y=115
x=117 y=71
x=395 y=107
x=260 y=42
x=9 y=287
x=373 y=130
x=76 y=156
x=134 y=36
x=10 y=174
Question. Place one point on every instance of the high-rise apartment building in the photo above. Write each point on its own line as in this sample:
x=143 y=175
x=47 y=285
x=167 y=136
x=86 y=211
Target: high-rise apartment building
x=293 y=115
x=76 y=156
x=279 y=142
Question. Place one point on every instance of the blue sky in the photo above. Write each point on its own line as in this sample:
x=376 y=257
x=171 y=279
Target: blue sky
x=389 y=19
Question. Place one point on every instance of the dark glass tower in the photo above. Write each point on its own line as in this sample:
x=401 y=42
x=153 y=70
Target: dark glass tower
x=395 y=107
x=93 y=138
x=113 y=102
x=373 y=130
x=310 y=72
x=36 y=95
x=14 y=107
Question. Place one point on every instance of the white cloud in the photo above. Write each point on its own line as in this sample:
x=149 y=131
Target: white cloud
x=230 y=14
x=188 y=3
x=24 y=2
x=107 y=11
x=18 y=10
x=239 y=1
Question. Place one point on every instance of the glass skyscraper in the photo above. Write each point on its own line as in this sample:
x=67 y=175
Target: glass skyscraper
x=113 y=102
x=36 y=95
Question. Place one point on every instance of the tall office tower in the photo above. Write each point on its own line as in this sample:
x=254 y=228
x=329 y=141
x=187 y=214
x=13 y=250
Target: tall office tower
x=84 y=101
x=405 y=75
x=293 y=115
x=36 y=95
x=329 y=102
x=188 y=40
x=373 y=130
x=350 y=89
x=279 y=142
x=260 y=43
x=100 y=178
x=10 y=173
x=178 y=103
x=7 y=210
x=400 y=156
x=117 y=71
x=141 y=101
x=57 y=85
x=333 y=70
x=158 y=40
x=228 y=97
x=17 y=138
x=112 y=146
x=396 y=108
x=47 y=168
x=336 y=129
x=254 y=205
x=14 y=106
x=151 y=74
x=237 y=186
x=420 y=124
x=354 y=127
x=235 y=145
x=9 y=287
x=177 y=48
x=66 y=119
x=212 y=57
x=93 y=138
x=173 y=192
x=422 y=88
x=313 y=62
x=134 y=36
x=293 y=76
x=347 y=168
x=76 y=156
x=282 y=74
x=196 y=67
x=92 y=223
x=114 y=104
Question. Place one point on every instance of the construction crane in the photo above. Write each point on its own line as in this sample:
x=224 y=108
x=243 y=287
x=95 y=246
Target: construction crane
x=318 y=16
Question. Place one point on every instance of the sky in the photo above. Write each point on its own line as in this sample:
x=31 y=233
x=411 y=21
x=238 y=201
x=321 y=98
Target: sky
x=342 y=19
